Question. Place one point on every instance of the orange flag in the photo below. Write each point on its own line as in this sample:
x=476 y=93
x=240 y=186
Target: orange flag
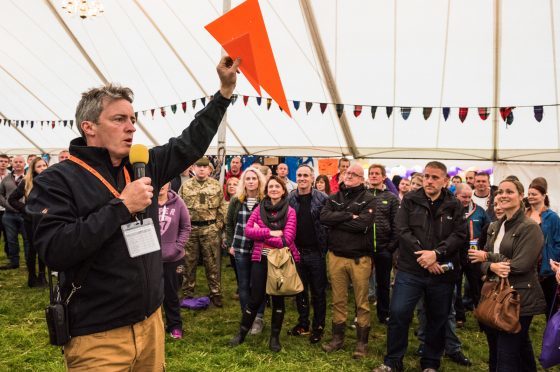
x=242 y=33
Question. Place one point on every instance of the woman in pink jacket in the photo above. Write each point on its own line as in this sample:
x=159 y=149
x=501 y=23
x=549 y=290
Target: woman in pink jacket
x=272 y=225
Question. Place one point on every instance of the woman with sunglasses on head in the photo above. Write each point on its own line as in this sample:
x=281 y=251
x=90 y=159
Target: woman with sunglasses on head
x=512 y=251
x=271 y=226
x=17 y=200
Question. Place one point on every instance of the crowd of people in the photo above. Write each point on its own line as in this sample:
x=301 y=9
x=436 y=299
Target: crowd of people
x=399 y=245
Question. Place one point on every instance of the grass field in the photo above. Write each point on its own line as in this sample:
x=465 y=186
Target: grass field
x=24 y=340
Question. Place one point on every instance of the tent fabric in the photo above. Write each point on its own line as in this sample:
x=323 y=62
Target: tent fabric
x=418 y=54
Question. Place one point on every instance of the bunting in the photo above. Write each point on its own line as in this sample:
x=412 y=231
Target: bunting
x=445 y=111
x=539 y=112
x=389 y=111
x=405 y=112
x=463 y=112
x=506 y=113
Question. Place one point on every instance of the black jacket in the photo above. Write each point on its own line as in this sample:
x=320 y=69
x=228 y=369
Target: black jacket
x=385 y=222
x=81 y=220
x=318 y=200
x=419 y=230
x=349 y=237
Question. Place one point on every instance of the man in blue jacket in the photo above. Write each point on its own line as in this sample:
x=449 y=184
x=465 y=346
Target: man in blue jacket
x=86 y=201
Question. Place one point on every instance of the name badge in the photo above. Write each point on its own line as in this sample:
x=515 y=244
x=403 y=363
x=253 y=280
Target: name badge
x=140 y=238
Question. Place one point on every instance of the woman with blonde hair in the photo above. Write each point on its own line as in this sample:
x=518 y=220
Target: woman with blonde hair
x=17 y=200
x=250 y=192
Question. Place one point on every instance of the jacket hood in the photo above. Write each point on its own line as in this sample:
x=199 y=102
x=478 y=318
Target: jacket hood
x=171 y=197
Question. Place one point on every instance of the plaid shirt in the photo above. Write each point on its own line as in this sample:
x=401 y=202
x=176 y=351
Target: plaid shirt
x=240 y=244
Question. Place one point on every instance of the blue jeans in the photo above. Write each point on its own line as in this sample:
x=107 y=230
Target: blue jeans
x=312 y=271
x=452 y=342
x=13 y=224
x=243 y=265
x=408 y=290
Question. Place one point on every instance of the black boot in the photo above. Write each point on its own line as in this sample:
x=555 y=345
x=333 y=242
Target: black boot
x=246 y=321
x=41 y=280
x=31 y=277
x=337 y=341
x=276 y=327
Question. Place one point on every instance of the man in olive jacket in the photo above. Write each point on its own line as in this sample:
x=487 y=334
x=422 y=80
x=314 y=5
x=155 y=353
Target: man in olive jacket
x=432 y=229
x=115 y=311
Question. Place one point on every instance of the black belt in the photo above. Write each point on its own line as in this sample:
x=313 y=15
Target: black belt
x=203 y=223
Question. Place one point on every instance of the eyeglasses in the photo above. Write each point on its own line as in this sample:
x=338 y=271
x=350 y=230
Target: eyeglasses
x=352 y=175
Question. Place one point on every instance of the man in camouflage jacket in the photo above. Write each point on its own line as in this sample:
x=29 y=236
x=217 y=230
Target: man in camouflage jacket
x=205 y=199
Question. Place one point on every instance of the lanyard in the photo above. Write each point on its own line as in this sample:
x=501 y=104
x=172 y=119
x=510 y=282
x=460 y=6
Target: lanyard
x=100 y=177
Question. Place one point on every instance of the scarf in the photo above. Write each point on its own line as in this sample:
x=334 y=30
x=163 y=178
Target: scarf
x=274 y=216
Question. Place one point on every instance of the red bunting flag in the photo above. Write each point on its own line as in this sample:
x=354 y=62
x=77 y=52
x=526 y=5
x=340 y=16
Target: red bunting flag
x=245 y=100
x=483 y=112
x=162 y=111
x=463 y=112
x=357 y=110
x=323 y=107
x=505 y=111
x=184 y=106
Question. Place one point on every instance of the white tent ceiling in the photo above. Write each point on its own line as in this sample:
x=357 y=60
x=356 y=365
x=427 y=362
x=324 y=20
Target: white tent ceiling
x=429 y=53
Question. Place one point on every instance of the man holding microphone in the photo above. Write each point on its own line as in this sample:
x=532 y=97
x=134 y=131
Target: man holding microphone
x=112 y=278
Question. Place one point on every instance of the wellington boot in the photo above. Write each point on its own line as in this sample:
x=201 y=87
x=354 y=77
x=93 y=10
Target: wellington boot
x=337 y=341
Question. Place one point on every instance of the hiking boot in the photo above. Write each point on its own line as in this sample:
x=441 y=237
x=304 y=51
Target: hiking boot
x=362 y=334
x=298 y=330
x=240 y=337
x=337 y=341
x=217 y=301
x=176 y=334
x=258 y=325
x=316 y=335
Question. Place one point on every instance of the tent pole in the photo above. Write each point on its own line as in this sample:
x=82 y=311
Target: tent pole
x=553 y=33
x=90 y=61
x=327 y=73
x=496 y=92
x=24 y=136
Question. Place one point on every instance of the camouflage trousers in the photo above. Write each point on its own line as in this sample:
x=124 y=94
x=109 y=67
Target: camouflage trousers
x=203 y=240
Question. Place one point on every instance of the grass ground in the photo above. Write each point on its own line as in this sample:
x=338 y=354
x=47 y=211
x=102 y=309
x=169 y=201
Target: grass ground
x=24 y=340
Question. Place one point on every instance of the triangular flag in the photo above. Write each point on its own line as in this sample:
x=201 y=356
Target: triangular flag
x=153 y=111
x=389 y=111
x=71 y=123
x=505 y=111
x=509 y=118
x=245 y=100
x=136 y=115
x=52 y=124
x=233 y=98
x=308 y=106
x=193 y=103
x=242 y=33
x=296 y=105
x=463 y=112
x=144 y=112
x=268 y=103
x=483 y=112
x=405 y=112
x=184 y=105
x=203 y=100
x=339 y=109
x=323 y=107
x=357 y=110
x=65 y=122
x=539 y=113
x=373 y=111
x=162 y=111
x=173 y=109
x=426 y=112
x=259 y=100
x=33 y=123
x=445 y=111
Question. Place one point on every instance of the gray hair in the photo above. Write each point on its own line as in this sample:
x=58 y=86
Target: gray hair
x=461 y=187
x=91 y=105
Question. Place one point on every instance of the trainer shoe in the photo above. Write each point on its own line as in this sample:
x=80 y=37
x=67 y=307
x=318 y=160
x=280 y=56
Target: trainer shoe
x=383 y=368
x=299 y=330
x=176 y=334
x=258 y=325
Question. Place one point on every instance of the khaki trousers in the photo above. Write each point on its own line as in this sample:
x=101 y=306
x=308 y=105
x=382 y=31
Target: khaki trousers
x=139 y=347
x=342 y=272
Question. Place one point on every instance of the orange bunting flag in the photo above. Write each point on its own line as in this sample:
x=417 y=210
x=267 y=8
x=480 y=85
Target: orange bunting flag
x=242 y=33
